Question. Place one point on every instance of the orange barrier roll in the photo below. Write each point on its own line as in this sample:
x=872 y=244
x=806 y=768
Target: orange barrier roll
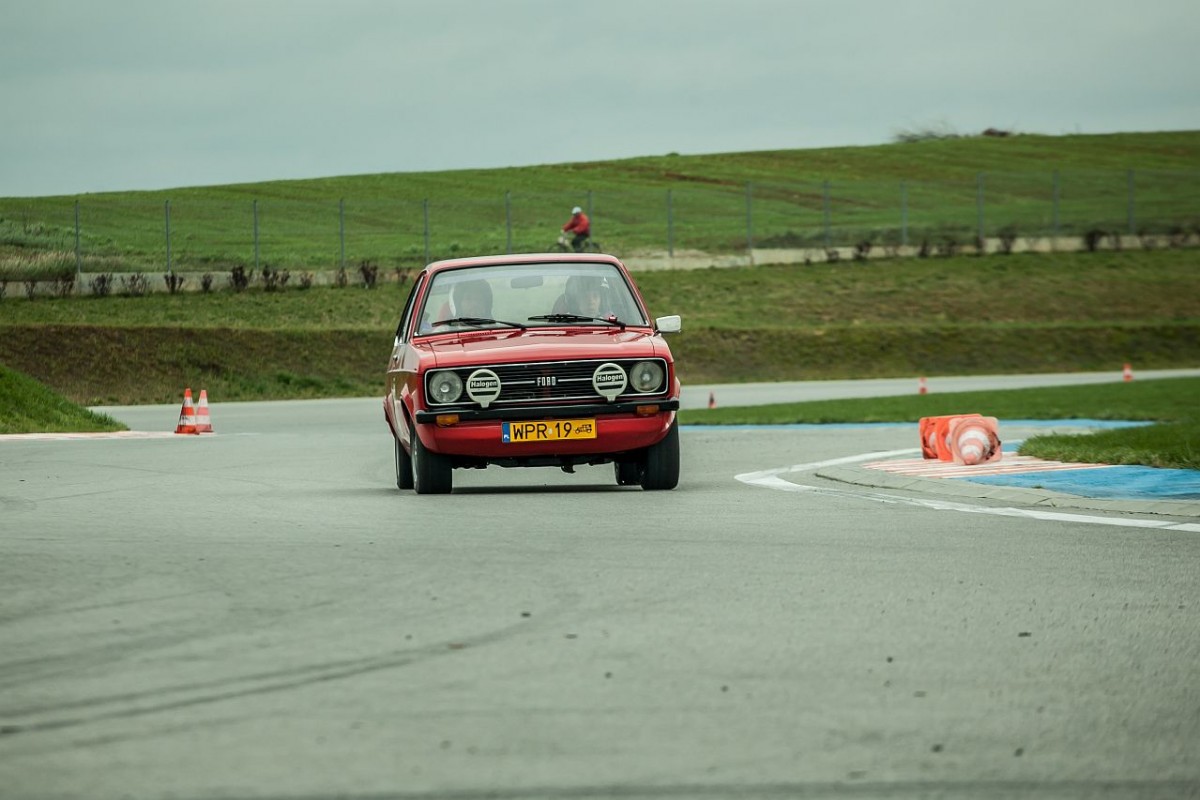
x=933 y=437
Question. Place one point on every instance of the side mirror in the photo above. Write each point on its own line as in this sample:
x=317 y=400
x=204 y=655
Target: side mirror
x=671 y=324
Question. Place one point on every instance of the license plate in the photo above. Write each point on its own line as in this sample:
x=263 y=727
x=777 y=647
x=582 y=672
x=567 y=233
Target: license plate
x=548 y=431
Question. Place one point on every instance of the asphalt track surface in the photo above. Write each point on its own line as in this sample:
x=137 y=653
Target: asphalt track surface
x=261 y=614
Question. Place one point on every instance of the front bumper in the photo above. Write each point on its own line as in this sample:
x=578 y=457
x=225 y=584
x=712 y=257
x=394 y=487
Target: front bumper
x=619 y=429
x=548 y=412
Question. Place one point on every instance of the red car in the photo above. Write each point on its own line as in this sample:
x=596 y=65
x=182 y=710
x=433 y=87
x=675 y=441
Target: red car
x=531 y=361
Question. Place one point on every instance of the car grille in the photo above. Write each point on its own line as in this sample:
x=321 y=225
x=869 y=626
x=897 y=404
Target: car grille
x=551 y=381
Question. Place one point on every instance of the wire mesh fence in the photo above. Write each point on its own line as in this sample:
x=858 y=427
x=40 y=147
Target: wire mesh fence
x=195 y=232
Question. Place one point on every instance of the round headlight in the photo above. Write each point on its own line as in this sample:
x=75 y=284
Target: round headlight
x=445 y=387
x=646 y=376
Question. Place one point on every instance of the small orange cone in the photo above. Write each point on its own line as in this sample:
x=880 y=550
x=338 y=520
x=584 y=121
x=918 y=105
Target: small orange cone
x=187 y=414
x=712 y=400
x=921 y=387
x=203 y=422
x=1128 y=373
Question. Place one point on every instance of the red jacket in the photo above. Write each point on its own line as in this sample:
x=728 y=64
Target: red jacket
x=579 y=225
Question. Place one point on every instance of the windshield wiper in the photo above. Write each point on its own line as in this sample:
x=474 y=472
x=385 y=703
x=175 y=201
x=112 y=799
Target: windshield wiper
x=478 y=322
x=609 y=320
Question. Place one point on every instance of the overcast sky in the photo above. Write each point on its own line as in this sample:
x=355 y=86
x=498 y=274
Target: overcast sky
x=152 y=94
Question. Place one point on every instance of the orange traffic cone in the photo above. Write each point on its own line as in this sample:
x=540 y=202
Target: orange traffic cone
x=921 y=387
x=974 y=439
x=1128 y=373
x=712 y=400
x=203 y=422
x=187 y=414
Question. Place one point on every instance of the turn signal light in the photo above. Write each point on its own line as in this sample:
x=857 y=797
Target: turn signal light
x=446 y=420
x=646 y=411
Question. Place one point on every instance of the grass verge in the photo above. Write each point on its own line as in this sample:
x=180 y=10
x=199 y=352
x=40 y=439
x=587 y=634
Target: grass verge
x=898 y=318
x=1062 y=288
x=27 y=406
x=1173 y=442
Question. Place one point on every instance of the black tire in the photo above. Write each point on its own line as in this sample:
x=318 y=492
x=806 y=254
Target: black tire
x=661 y=469
x=628 y=473
x=404 y=470
x=432 y=473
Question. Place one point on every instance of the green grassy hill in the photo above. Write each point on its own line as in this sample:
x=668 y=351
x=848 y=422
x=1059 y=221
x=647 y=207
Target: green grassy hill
x=1024 y=186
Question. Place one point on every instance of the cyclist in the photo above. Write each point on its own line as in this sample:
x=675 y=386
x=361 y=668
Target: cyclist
x=580 y=226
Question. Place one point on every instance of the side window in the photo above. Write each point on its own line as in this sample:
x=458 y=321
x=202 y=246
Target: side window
x=404 y=329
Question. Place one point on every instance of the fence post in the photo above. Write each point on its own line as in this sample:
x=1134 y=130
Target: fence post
x=167 y=214
x=670 y=226
x=904 y=213
x=256 y=235
x=1130 y=209
x=1054 y=216
x=750 y=220
x=591 y=216
x=979 y=213
x=342 y=233
x=427 y=252
x=508 y=221
x=825 y=206
x=78 y=259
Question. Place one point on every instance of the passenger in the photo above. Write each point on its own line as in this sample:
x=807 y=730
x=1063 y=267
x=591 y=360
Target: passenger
x=584 y=296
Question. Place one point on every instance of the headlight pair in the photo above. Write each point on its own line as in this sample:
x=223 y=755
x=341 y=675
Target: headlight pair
x=445 y=386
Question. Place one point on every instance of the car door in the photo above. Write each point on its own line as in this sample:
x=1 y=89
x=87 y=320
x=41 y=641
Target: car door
x=403 y=364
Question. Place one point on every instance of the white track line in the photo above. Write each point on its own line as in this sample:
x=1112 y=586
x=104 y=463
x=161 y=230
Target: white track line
x=770 y=479
x=62 y=437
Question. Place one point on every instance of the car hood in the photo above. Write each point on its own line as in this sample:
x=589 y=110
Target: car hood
x=542 y=344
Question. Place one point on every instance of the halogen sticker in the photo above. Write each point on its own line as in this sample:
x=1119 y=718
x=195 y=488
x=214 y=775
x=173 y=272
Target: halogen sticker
x=483 y=386
x=609 y=380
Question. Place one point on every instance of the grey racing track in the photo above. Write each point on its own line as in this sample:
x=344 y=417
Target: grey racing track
x=262 y=614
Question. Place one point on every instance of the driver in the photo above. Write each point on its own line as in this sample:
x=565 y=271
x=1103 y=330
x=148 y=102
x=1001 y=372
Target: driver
x=471 y=299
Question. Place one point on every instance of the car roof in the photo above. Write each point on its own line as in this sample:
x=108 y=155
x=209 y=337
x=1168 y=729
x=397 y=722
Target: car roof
x=523 y=258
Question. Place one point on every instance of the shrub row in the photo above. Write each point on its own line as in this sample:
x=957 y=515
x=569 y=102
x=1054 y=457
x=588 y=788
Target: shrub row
x=239 y=279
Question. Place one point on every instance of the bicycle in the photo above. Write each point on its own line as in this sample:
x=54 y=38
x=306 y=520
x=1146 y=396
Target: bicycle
x=563 y=245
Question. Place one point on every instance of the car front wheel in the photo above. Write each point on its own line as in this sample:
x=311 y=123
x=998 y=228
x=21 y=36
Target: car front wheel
x=661 y=470
x=404 y=468
x=432 y=473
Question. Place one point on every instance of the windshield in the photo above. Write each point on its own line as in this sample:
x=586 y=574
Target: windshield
x=529 y=295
